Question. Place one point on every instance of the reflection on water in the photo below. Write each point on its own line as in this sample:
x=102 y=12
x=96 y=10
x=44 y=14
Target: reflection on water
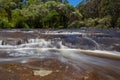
x=70 y=56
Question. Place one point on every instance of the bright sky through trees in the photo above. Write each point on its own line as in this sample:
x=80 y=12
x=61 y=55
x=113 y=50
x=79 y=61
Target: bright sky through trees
x=74 y=2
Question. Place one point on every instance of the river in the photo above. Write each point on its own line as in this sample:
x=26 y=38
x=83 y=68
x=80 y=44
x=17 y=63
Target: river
x=72 y=54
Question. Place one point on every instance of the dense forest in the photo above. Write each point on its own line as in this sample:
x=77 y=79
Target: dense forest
x=53 y=14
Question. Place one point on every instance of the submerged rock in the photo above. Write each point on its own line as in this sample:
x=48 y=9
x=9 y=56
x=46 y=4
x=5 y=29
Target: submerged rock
x=13 y=41
x=42 y=72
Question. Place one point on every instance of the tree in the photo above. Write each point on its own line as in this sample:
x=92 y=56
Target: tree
x=7 y=5
x=100 y=9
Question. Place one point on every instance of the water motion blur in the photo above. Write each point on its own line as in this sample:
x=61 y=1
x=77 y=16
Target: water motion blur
x=73 y=54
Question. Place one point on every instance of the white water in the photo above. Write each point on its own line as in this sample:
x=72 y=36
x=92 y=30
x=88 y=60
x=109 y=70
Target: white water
x=40 y=49
x=62 y=33
x=37 y=49
x=41 y=46
x=106 y=63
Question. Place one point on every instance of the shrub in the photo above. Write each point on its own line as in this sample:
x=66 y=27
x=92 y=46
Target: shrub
x=105 y=22
x=76 y=24
x=4 y=23
x=118 y=22
x=18 y=20
x=91 y=22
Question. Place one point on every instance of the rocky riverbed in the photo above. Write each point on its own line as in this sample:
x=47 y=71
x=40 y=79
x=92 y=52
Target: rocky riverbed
x=80 y=54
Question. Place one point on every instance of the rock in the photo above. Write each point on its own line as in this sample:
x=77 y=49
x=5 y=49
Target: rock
x=116 y=47
x=10 y=41
x=13 y=41
x=42 y=72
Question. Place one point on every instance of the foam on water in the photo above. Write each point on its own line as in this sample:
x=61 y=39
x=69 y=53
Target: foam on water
x=62 y=33
x=42 y=45
x=37 y=49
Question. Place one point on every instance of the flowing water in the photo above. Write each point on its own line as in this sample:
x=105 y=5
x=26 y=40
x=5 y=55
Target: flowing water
x=69 y=54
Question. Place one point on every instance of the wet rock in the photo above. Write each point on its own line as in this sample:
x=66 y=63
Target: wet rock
x=42 y=72
x=80 y=42
x=49 y=69
x=22 y=41
x=13 y=34
x=101 y=35
x=116 y=47
x=59 y=68
x=10 y=41
x=13 y=41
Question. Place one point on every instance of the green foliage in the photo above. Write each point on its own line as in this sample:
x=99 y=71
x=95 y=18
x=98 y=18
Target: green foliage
x=4 y=23
x=118 y=22
x=90 y=22
x=59 y=14
x=51 y=19
x=76 y=24
x=18 y=19
x=107 y=11
x=105 y=22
